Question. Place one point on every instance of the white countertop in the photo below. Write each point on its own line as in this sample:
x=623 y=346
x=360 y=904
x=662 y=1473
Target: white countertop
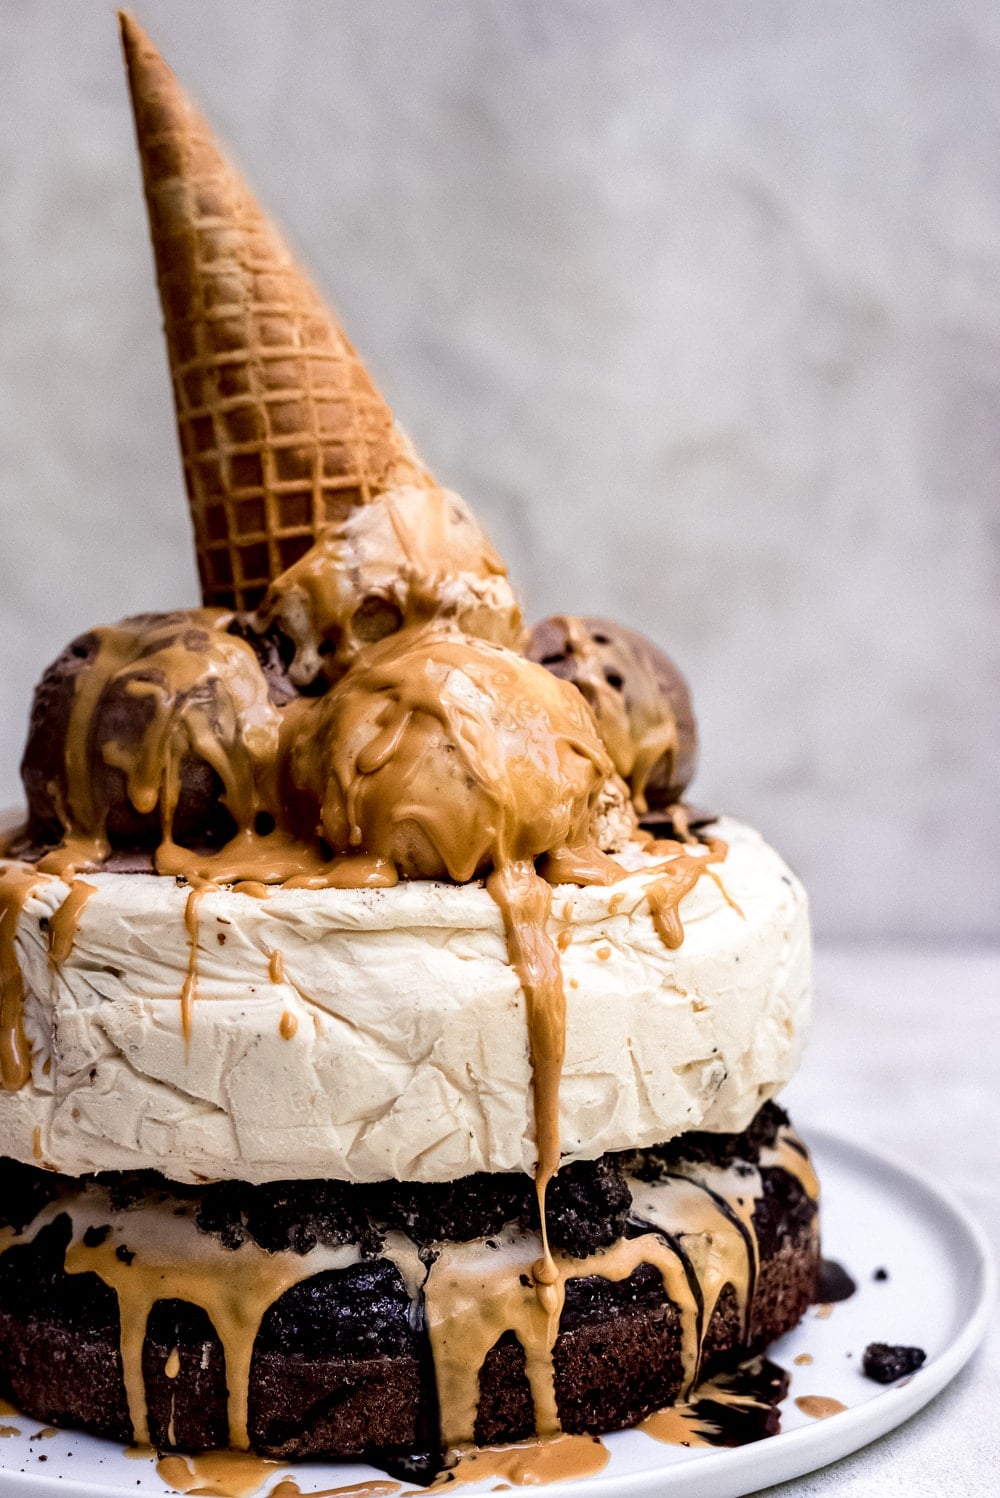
x=903 y=1056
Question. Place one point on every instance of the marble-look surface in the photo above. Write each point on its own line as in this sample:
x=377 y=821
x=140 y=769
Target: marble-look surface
x=903 y=1057
x=696 y=302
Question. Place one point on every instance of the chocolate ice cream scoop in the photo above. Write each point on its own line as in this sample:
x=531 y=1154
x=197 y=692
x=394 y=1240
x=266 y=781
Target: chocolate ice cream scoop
x=159 y=728
x=640 y=700
x=442 y=755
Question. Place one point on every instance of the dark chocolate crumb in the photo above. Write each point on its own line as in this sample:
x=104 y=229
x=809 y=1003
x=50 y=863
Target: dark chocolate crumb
x=586 y=1206
x=833 y=1283
x=885 y=1363
x=696 y=1147
x=880 y=1274
x=123 y=1254
x=95 y=1236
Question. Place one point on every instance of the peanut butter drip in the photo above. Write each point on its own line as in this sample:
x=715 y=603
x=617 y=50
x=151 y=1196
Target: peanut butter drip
x=159 y=695
x=62 y=926
x=525 y=902
x=289 y=1488
x=216 y=1474
x=581 y=865
x=470 y=1305
x=790 y=1154
x=718 y=1239
x=17 y=882
x=189 y=991
x=681 y=870
x=528 y=1463
x=732 y=1409
x=637 y=735
x=442 y=756
x=410 y=556
x=166 y=1258
x=699 y=1236
x=818 y=1406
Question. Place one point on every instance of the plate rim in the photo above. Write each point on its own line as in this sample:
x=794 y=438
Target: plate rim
x=721 y=1473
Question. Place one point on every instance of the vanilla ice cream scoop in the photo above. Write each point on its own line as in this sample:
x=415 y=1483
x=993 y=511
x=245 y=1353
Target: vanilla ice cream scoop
x=409 y=556
x=443 y=755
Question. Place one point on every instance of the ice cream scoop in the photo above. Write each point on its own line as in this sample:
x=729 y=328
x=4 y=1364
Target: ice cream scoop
x=640 y=700
x=410 y=556
x=443 y=755
x=162 y=726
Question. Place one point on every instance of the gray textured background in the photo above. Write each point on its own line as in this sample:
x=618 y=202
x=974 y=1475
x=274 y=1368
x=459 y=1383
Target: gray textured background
x=697 y=303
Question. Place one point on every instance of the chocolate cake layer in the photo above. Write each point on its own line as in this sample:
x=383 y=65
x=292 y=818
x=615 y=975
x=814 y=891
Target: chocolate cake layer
x=343 y=1364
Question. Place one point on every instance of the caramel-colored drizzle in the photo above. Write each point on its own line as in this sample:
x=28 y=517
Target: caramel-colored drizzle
x=205 y=698
x=718 y=1239
x=63 y=925
x=790 y=1154
x=521 y=785
x=706 y=1239
x=686 y=1424
x=216 y=1474
x=189 y=989
x=581 y=865
x=529 y=1463
x=818 y=1406
x=234 y=1287
x=18 y=881
x=680 y=873
x=415 y=555
x=525 y=902
x=289 y=1488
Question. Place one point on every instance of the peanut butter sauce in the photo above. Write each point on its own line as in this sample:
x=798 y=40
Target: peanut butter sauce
x=167 y=1258
x=216 y=1474
x=62 y=926
x=525 y=902
x=442 y=756
x=818 y=1406
x=699 y=1237
x=18 y=881
x=289 y=1488
x=680 y=873
x=410 y=556
x=189 y=991
x=528 y=1463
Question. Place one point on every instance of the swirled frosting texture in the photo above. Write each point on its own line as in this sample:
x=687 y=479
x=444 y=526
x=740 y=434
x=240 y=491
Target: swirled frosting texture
x=389 y=1039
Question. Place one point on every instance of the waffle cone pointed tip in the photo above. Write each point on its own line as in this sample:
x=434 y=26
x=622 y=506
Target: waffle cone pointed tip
x=281 y=428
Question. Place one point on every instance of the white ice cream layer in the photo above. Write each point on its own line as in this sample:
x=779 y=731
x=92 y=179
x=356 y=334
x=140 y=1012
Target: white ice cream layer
x=409 y=1057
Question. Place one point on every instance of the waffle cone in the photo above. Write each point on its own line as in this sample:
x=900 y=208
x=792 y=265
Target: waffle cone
x=281 y=428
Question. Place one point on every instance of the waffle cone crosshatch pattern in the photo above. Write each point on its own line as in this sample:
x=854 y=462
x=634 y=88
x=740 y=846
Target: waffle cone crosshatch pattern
x=281 y=429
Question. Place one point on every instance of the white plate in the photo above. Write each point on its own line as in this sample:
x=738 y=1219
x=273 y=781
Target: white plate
x=876 y=1213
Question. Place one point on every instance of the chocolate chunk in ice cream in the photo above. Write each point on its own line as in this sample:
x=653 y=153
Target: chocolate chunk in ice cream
x=638 y=696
